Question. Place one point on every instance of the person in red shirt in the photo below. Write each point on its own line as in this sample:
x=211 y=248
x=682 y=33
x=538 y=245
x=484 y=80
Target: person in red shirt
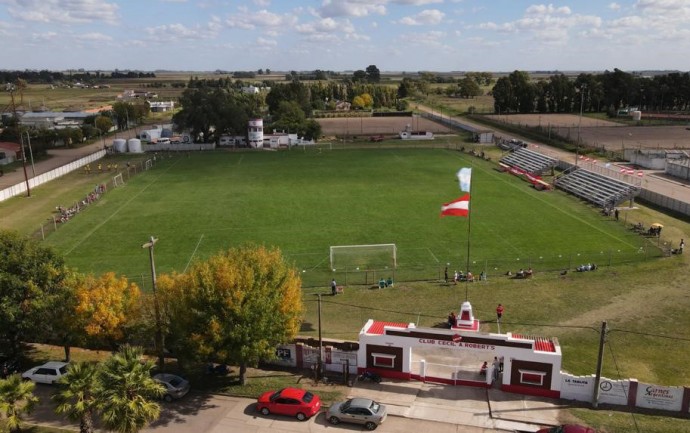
x=499 y=312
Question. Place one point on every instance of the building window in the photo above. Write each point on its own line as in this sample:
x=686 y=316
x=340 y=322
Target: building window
x=383 y=360
x=529 y=377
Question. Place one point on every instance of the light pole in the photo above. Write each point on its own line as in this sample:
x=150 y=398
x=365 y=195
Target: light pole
x=583 y=87
x=31 y=153
x=26 y=176
x=159 y=332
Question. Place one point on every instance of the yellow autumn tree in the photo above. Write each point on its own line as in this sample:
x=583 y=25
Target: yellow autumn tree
x=107 y=306
x=235 y=307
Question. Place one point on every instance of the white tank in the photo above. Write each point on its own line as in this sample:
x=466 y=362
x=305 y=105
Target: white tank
x=134 y=145
x=120 y=145
x=256 y=133
x=637 y=116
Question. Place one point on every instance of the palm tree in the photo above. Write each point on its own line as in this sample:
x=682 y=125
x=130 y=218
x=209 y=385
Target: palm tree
x=126 y=391
x=16 y=397
x=75 y=397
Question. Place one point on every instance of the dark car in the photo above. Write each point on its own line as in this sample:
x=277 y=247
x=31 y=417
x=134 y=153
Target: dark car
x=567 y=428
x=362 y=411
x=289 y=401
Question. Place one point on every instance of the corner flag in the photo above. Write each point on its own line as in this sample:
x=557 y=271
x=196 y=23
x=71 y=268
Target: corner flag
x=464 y=176
x=459 y=207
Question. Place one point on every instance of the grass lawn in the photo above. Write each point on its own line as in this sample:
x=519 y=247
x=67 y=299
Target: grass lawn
x=305 y=202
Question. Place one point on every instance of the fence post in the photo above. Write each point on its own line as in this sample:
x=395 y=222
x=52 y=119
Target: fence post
x=43 y=236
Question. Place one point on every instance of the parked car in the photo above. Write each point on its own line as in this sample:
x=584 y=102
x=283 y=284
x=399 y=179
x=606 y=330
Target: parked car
x=175 y=386
x=358 y=411
x=291 y=402
x=567 y=428
x=49 y=373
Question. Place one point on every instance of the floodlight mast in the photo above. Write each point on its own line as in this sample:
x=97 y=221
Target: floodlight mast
x=159 y=332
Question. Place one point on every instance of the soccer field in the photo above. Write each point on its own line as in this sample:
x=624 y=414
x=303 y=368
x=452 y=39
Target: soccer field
x=306 y=201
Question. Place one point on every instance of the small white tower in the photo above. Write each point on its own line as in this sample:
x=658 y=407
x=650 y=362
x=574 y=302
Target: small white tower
x=256 y=133
x=466 y=319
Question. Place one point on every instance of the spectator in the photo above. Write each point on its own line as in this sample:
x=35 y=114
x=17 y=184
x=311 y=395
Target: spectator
x=334 y=287
x=499 y=312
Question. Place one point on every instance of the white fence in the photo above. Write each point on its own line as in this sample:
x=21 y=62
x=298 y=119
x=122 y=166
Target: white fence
x=628 y=392
x=20 y=188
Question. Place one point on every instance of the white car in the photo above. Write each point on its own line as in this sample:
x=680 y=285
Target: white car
x=49 y=373
x=175 y=386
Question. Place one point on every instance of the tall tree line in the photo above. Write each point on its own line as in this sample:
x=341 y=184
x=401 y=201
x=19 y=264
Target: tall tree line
x=607 y=92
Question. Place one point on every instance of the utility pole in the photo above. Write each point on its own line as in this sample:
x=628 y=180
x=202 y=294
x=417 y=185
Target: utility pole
x=159 y=332
x=600 y=360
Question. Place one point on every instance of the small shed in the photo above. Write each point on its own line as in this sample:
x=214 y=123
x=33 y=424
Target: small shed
x=484 y=136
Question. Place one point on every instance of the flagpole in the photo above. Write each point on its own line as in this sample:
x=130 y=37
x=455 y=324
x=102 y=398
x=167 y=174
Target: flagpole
x=469 y=230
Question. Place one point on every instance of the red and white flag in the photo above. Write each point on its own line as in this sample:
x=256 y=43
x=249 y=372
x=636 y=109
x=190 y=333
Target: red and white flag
x=459 y=207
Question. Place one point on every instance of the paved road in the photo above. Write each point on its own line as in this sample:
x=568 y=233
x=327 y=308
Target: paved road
x=413 y=407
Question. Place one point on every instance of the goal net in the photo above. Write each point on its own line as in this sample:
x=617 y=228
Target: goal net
x=378 y=256
x=118 y=181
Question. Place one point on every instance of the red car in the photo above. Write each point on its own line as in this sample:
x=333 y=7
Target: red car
x=567 y=428
x=289 y=401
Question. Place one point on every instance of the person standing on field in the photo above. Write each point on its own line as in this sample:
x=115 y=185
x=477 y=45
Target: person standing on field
x=499 y=312
x=334 y=287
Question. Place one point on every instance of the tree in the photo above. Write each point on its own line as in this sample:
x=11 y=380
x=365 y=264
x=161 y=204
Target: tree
x=106 y=306
x=75 y=396
x=373 y=74
x=16 y=398
x=104 y=124
x=126 y=392
x=236 y=307
x=32 y=279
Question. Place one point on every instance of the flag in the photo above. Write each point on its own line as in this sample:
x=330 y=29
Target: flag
x=459 y=207
x=464 y=176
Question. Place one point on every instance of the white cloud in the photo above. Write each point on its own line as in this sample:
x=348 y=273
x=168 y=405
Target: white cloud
x=266 y=43
x=64 y=11
x=427 y=38
x=547 y=10
x=352 y=8
x=177 y=31
x=95 y=37
x=262 y=3
x=615 y=6
x=261 y=19
x=425 y=17
x=416 y=2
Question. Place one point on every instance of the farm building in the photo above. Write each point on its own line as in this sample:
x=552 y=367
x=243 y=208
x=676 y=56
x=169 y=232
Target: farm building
x=161 y=106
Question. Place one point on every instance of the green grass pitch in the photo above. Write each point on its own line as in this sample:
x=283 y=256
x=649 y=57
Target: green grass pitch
x=306 y=201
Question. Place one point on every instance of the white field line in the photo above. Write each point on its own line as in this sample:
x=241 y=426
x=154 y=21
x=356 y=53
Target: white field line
x=193 y=253
x=432 y=255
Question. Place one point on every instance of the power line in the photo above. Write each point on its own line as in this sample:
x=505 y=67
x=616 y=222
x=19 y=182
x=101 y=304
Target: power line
x=625 y=392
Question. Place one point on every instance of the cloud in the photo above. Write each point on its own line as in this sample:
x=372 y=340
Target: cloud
x=415 y=2
x=425 y=17
x=64 y=11
x=262 y=19
x=329 y=30
x=352 y=8
x=96 y=37
x=433 y=38
x=168 y=32
x=614 y=6
x=547 y=10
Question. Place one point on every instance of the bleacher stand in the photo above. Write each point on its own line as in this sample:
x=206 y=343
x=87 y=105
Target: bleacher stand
x=532 y=162
x=598 y=189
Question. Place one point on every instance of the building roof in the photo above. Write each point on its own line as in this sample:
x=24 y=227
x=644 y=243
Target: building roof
x=10 y=146
x=541 y=344
x=378 y=327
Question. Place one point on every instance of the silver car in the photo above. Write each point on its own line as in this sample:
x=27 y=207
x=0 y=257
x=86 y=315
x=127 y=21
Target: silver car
x=175 y=386
x=357 y=411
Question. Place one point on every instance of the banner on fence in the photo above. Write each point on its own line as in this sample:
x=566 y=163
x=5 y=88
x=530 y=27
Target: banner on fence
x=659 y=397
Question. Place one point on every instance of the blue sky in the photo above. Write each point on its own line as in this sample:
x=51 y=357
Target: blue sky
x=340 y=35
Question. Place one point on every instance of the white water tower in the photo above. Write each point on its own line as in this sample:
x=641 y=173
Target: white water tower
x=256 y=133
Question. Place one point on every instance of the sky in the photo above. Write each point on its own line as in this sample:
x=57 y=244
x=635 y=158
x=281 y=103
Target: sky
x=345 y=35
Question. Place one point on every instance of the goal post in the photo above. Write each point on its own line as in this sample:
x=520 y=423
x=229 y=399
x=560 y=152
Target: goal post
x=118 y=181
x=148 y=164
x=376 y=256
